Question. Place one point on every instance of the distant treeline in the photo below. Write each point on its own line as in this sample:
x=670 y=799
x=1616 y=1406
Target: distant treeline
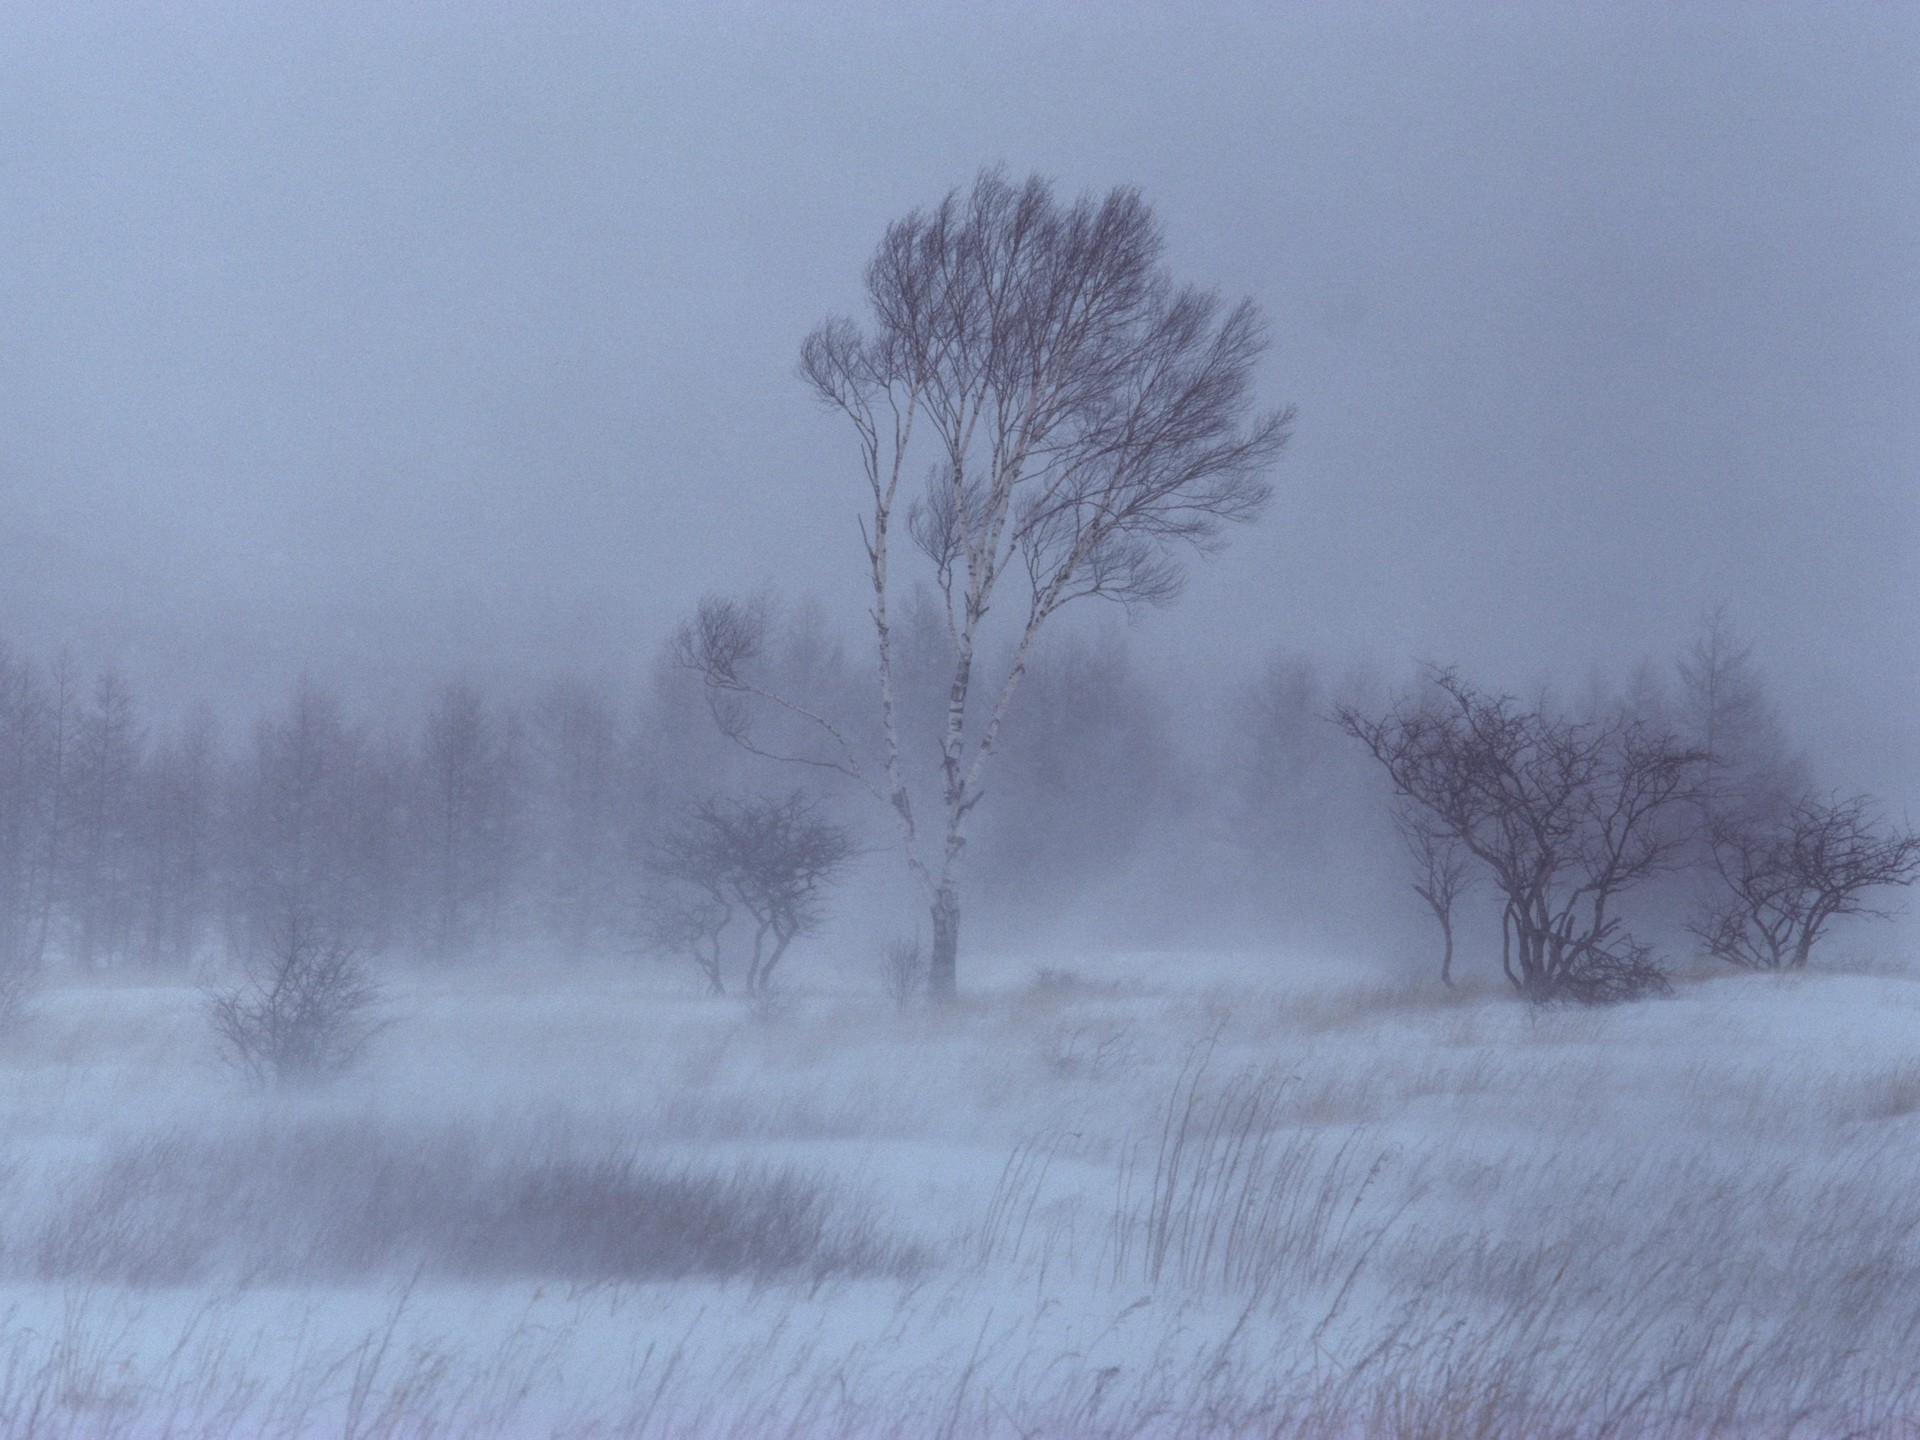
x=1132 y=807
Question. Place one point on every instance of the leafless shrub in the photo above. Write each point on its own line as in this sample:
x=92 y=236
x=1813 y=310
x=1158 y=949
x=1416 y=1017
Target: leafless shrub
x=1785 y=877
x=1057 y=980
x=307 y=1011
x=903 y=970
x=769 y=859
x=1092 y=1051
x=1611 y=975
x=1563 y=815
x=1883 y=963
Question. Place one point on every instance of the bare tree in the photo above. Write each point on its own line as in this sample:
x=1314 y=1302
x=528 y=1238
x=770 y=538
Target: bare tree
x=1301 y=815
x=307 y=1010
x=1565 y=815
x=178 y=842
x=1784 y=880
x=298 y=856
x=1440 y=874
x=1081 y=420
x=1753 y=770
x=688 y=919
x=107 y=769
x=56 y=821
x=769 y=859
x=27 y=783
x=583 y=786
x=469 y=802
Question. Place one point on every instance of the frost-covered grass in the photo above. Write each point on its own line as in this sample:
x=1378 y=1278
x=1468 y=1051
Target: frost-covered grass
x=1177 y=1196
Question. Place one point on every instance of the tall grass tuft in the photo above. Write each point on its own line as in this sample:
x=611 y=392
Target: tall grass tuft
x=1240 y=1200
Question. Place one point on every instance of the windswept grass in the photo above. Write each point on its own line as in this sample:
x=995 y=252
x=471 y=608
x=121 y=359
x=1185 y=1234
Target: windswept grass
x=322 y=1200
x=1365 y=1218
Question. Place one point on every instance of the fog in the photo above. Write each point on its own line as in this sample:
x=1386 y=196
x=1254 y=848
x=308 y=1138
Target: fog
x=461 y=338
x=404 y=414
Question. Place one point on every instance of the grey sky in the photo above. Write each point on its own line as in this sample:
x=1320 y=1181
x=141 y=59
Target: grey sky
x=449 y=335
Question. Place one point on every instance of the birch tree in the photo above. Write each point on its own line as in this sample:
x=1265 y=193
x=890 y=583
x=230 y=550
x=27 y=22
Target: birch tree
x=1041 y=416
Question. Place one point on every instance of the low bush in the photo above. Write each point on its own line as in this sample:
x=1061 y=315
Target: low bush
x=343 y=1199
x=306 y=1012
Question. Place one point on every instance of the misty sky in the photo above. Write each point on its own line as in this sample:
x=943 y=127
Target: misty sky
x=431 y=337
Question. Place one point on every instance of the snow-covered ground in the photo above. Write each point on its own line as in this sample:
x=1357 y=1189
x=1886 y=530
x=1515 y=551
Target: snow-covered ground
x=1147 y=1195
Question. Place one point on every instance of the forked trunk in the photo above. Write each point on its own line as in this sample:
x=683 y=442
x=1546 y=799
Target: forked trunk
x=943 y=970
x=1803 y=948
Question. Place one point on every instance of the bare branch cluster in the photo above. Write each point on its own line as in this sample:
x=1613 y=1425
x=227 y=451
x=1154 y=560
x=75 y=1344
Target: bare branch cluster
x=723 y=644
x=1082 y=410
x=768 y=860
x=306 y=1012
x=1784 y=879
x=1563 y=815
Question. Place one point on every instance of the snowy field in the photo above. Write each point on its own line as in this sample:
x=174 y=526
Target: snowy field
x=1150 y=1196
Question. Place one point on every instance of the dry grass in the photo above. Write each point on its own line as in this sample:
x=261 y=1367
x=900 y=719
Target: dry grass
x=309 y=1200
x=1367 y=1217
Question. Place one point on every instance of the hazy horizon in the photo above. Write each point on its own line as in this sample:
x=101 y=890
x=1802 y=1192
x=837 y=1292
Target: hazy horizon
x=430 y=339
